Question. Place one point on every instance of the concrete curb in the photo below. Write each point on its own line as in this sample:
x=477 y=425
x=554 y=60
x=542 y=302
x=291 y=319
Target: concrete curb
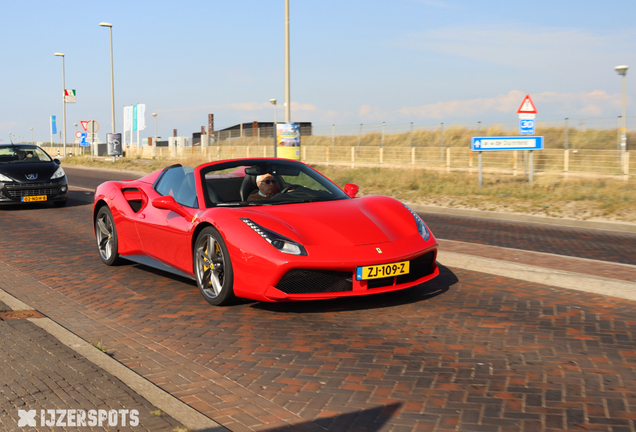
x=163 y=400
x=517 y=217
x=541 y=275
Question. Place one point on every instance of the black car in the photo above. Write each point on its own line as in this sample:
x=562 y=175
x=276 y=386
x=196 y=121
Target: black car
x=29 y=174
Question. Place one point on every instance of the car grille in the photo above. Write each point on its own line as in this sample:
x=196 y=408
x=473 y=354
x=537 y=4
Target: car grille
x=31 y=189
x=419 y=267
x=305 y=281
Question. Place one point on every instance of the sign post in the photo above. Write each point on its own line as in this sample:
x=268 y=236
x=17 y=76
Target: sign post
x=91 y=126
x=481 y=144
x=527 y=115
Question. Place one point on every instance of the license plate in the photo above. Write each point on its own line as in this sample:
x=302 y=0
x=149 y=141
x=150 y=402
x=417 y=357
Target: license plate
x=382 y=270
x=34 y=198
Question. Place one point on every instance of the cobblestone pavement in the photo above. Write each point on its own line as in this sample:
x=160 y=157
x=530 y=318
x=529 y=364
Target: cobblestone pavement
x=466 y=351
x=38 y=373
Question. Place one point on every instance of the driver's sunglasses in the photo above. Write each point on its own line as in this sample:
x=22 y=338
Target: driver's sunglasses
x=268 y=181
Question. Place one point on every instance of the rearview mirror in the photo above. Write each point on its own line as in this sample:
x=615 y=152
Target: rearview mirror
x=168 y=203
x=351 y=189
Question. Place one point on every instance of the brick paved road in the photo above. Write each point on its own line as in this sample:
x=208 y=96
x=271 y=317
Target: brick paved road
x=578 y=242
x=39 y=373
x=466 y=351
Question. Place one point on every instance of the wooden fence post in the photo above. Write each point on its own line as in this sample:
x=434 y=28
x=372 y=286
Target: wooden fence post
x=448 y=159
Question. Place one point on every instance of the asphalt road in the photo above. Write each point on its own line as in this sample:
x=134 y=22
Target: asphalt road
x=466 y=351
x=576 y=242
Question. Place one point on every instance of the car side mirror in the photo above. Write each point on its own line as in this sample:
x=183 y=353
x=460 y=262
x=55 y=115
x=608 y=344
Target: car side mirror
x=351 y=189
x=57 y=161
x=168 y=203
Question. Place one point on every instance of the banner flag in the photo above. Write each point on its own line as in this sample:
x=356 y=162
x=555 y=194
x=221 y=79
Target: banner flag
x=141 y=117
x=53 y=126
x=134 y=119
x=127 y=117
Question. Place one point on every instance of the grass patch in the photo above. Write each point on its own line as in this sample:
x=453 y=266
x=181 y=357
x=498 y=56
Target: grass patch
x=99 y=346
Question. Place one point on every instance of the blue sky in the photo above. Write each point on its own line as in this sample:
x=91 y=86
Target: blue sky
x=421 y=61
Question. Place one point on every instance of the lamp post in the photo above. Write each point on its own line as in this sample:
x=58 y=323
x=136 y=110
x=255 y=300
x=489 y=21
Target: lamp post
x=155 y=116
x=622 y=71
x=31 y=136
x=63 y=101
x=287 y=79
x=273 y=102
x=112 y=81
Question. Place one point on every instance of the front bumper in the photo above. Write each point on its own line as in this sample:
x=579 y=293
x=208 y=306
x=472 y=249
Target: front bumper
x=328 y=272
x=12 y=193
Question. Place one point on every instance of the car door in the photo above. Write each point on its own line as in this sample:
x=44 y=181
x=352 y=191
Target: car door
x=165 y=234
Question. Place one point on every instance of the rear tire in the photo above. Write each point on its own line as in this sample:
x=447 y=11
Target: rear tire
x=106 y=236
x=213 y=268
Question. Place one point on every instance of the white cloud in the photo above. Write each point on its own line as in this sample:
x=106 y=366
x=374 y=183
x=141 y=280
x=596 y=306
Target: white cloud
x=547 y=49
x=594 y=103
x=7 y=125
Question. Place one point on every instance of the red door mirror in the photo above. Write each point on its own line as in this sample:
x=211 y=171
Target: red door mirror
x=351 y=189
x=168 y=203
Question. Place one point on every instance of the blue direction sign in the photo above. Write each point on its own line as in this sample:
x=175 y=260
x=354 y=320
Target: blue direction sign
x=507 y=143
x=83 y=142
x=526 y=126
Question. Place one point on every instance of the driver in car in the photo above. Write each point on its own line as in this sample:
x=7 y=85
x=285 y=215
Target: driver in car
x=265 y=190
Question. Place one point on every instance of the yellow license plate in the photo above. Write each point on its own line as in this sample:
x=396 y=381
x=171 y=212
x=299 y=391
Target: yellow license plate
x=34 y=198
x=382 y=270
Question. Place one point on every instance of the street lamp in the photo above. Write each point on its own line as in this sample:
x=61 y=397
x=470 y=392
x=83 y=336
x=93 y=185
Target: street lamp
x=622 y=71
x=155 y=116
x=273 y=102
x=63 y=101
x=112 y=81
x=31 y=135
x=287 y=79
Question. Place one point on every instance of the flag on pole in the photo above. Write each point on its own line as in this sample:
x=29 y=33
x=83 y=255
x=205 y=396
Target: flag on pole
x=141 y=116
x=53 y=126
x=127 y=118
x=134 y=120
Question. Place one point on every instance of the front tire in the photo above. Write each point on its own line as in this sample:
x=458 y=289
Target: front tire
x=106 y=235
x=213 y=268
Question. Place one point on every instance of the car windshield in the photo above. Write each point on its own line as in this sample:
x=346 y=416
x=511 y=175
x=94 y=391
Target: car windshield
x=265 y=182
x=22 y=154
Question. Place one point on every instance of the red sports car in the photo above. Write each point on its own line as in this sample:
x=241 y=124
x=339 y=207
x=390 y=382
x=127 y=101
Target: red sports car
x=263 y=229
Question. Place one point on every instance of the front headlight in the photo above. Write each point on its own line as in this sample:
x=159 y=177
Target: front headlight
x=421 y=226
x=280 y=242
x=58 y=173
x=4 y=178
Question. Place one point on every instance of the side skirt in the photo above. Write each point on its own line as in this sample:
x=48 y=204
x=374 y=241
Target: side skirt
x=151 y=262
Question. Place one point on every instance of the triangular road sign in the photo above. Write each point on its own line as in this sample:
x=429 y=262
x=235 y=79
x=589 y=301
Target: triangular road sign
x=84 y=124
x=527 y=106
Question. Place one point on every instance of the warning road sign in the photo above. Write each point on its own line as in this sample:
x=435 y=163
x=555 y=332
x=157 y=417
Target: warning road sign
x=527 y=106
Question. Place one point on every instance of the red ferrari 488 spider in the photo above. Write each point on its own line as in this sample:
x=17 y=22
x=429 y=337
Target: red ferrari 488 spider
x=263 y=229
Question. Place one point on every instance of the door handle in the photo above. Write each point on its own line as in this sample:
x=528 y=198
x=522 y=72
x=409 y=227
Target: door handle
x=142 y=216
